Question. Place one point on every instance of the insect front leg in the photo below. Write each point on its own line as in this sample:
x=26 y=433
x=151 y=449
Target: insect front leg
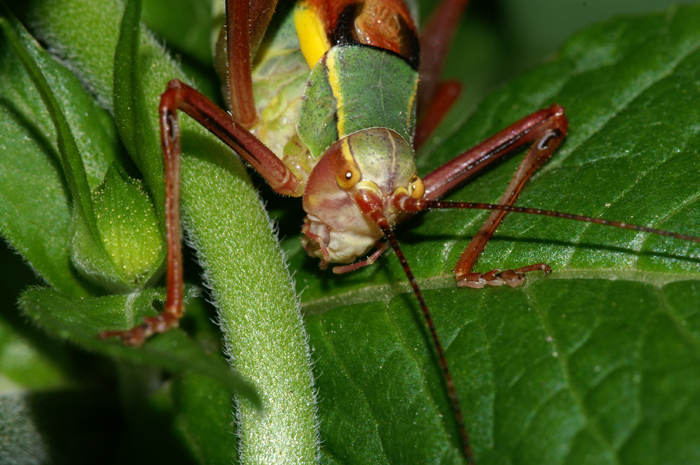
x=180 y=96
x=546 y=130
x=230 y=129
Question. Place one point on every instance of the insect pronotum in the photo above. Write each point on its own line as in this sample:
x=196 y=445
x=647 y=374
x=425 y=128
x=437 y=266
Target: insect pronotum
x=353 y=162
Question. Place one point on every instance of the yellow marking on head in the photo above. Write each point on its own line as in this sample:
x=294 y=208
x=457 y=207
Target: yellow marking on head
x=345 y=150
x=334 y=81
x=409 y=113
x=312 y=34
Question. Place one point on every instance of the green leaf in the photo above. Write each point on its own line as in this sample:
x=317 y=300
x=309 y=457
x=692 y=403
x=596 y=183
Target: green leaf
x=26 y=366
x=34 y=199
x=227 y=223
x=71 y=162
x=203 y=412
x=116 y=240
x=81 y=320
x=181 y=23
x=187 y=421
x=618 y=312
x=132 y=109
x=597 y=363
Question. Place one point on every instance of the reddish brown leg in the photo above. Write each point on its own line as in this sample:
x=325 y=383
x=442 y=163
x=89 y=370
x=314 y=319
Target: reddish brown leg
x=459 y=169
x=443 y=100
x=235 y=51
x=173 y=310
x=435 y=98
x=179 y=96
x=545 y=129
x=435 y=41
x=246 y=22
x=550 y=136
x=239 y=62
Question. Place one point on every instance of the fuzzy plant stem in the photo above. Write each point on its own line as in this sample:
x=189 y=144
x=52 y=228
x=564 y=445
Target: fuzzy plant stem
x=243 y=264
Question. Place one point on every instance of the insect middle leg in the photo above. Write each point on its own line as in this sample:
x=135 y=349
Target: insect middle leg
x=545 y=130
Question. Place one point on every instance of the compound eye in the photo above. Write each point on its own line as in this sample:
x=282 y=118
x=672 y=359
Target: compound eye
x=348 y=175
x=417 y=188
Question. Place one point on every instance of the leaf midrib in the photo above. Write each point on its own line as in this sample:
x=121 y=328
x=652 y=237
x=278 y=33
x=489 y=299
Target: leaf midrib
x=387 y=292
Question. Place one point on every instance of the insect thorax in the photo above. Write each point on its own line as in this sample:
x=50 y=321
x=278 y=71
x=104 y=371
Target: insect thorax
x=302 y=112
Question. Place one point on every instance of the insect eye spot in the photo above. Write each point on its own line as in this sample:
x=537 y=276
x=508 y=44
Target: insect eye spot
x=417 y=188
x=348 y=176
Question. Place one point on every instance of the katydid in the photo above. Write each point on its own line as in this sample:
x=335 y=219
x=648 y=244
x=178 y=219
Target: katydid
x=351 y=160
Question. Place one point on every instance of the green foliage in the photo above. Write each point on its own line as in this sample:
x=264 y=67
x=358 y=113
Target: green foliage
x=597 y=363
x=107 y=237
x=79 y=320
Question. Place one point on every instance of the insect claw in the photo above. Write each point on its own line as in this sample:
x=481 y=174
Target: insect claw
x=472 y=281
x=536 y=267
x=513 y=278
x=497 y=278
x=151 y=325
x=134 y=337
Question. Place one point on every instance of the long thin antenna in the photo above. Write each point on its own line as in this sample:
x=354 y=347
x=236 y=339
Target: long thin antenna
x=429 y=204
x=451 y=391
x=372 y=205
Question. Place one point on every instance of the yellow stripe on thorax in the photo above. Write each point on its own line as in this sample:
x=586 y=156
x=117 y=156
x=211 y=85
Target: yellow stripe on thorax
x=334 y=81
x=311 y=32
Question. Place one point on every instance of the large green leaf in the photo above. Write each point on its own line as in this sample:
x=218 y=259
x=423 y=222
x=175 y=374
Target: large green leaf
x=597 y=363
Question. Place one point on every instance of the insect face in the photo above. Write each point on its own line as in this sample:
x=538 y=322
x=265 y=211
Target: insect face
x=375 y=160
